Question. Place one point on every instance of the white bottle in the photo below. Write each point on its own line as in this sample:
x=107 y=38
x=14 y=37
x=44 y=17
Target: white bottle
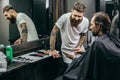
x=3 y=62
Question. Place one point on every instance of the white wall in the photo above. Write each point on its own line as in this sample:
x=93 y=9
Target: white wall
x=4 y=25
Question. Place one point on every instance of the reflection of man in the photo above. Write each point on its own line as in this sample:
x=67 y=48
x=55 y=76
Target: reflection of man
x=25 y=25
x=102 y=60
x=115 y=25
x=73 y=27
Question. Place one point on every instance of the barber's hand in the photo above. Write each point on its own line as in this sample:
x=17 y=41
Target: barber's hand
x=55 y=54
x=17 y=42
x=78 y=50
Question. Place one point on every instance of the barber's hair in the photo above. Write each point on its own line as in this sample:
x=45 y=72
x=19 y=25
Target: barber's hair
x=7 y=8
x=102 y=19
x=79 y=6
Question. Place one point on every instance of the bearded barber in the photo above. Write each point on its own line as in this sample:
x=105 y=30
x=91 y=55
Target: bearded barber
x=73 y=27
x=25 y=25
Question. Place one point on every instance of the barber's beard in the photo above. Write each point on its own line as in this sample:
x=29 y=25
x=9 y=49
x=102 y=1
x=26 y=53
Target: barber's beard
x=74 y=22
x=12 y=20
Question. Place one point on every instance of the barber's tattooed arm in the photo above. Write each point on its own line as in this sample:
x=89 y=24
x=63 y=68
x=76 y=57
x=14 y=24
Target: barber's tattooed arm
x=54 y=32
x=24 y=33
x=82 y=39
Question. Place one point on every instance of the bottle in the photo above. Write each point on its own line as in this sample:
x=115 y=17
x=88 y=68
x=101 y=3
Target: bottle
x=9 y=53
x=1 y=46
x=3 y=62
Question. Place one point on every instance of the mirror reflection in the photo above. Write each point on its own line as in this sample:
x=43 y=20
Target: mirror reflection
x=43 y=13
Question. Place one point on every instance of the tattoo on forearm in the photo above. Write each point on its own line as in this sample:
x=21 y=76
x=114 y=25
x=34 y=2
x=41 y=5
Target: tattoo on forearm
x=53 y=37
x=52 y=43
x=24 y=32
x=82 y=40
x=53 y=33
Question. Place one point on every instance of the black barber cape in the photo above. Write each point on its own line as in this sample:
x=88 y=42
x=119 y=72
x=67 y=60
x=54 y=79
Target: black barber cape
x=100 y=62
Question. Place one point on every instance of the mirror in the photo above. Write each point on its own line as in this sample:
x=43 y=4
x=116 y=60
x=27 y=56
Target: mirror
x=43 y=13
